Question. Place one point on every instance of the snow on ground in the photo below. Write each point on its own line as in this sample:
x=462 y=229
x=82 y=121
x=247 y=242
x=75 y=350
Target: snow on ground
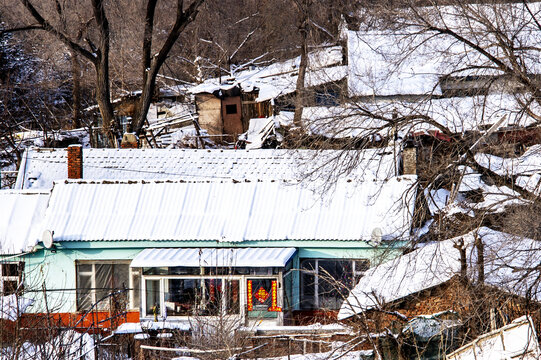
x=344 y=355
x=12 y=306
x=68 y=345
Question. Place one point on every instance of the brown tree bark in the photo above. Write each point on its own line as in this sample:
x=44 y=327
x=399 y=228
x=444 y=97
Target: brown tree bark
x=153 y=63
x=303 y=8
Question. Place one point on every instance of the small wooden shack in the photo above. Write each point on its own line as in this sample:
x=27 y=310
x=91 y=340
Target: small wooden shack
x=228 y=110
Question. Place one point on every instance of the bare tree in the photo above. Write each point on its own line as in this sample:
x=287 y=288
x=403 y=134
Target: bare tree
x=94 y=45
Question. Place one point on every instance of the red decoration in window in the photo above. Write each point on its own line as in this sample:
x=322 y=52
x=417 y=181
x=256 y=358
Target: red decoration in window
x=262 y=295
x=274 y=300
x=249 y=296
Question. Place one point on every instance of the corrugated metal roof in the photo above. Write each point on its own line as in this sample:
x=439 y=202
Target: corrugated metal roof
x=20 y=215
x=41 y=167
x=211 y=257
x=228 y=211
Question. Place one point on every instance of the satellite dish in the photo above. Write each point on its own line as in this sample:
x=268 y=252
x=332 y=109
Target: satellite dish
x=375 y=238
x=47 y=239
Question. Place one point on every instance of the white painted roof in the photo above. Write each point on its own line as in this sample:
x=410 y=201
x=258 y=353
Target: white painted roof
x=20 y=213
x=40 y=167
x=229 y=211
x=438 y=262
x=211 y=257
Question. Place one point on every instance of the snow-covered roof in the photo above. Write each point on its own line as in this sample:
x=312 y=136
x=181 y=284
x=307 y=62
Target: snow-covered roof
x=493 y=199
x=514 y=341
x=527 y=167
x=40 y=167
x=229 y=211
x=411 y=60
x=382 y=64
x=459 y=114
x=280 y=78
x=438 y=262
x=20 y=214
x=212 y=257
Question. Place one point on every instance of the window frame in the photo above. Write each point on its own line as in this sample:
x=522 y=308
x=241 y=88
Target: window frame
x=17 y=278
x=133 y=291
x=224 y=278
x=356 y=274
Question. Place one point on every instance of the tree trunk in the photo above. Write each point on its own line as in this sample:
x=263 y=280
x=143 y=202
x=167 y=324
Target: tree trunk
x=153 y=63
x=76 y=92
x=480 y=259
x=103 y=97
x=300 y=88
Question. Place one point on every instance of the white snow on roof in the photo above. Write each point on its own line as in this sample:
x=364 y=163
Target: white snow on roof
x=40 y=167
x=194 y=257
x=459 y=114
x=491 y=199
x=438 y=262
x=20 y=212
x=517 y=340
x=383 y=64
x=527 y=167
x=281 y=78
x=411 y=60
x=229 y=211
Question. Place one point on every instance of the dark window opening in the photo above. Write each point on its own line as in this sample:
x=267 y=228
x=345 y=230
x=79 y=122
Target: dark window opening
x=231 y=109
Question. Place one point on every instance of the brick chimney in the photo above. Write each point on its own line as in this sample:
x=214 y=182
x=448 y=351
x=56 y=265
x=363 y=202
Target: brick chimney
x=409 y=160
x=75 y=162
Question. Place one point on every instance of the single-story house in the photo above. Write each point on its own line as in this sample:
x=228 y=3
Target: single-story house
x=195 y=233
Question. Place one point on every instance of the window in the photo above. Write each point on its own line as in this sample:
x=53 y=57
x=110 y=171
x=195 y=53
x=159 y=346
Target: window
x=11 y=277
x=101 y=283
x=193 y=296
x=231 y=109
x=326 y=282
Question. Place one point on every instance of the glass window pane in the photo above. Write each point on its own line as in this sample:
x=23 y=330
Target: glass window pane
x=182 y=297
x=136 y=288
x=10 y=269
x=213 y=297
x=335 y=281
x=119 y=286
x=10 y=287
x=152 y=296
x=232 y=297
x=308 y=283
x=84 y=268
x=84 y=292
x=103 y=285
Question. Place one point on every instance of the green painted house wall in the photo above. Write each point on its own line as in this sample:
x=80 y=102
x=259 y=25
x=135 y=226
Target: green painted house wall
x=53 y=271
